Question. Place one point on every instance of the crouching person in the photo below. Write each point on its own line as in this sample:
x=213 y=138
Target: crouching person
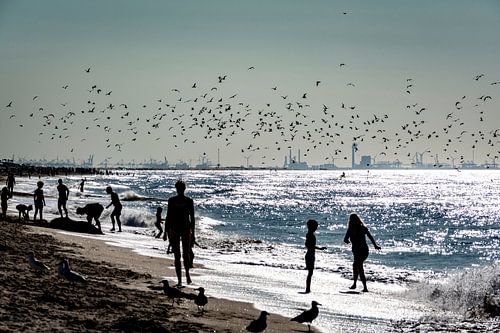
x=93 y=211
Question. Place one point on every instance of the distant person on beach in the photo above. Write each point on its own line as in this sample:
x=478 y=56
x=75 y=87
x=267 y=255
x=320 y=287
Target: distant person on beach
x=356 y=231
x=82 y=183
x=312 y=226
x=159 y=210
x=39 y=200
x=11 y=181
x=342 y=175
x=4 y=196
x=93 y=211
x=180 y=224
x=63 y=197
x=117 y=211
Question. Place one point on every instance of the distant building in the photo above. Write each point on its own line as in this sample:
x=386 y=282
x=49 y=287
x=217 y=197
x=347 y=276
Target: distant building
x=293 y=163
x=366 y=161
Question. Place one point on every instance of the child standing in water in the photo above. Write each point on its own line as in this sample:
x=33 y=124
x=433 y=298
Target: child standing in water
x=158 y=222
x=39 y=200
x=312 y=226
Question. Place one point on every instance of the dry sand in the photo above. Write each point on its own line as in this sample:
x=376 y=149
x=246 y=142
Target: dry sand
x=116 y=298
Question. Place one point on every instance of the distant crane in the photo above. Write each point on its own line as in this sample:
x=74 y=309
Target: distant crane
x=419 y=157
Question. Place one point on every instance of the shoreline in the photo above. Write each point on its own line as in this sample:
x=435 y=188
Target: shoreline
x=120 y=281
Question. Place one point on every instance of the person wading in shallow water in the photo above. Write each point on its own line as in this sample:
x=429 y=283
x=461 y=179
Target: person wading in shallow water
x=63 y=198
x=179 y=225
x=117 y=211
x=356 y=231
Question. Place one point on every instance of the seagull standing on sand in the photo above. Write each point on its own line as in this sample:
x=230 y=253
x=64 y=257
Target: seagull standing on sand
x=37 y=264
x=259 y=324
x=201 y=299
x=309 y=315
x=173 y=293
x=65 y=271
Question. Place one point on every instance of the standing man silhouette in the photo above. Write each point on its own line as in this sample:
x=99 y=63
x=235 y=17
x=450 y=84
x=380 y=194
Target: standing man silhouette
x=179 y=225
x=63 y=197
x=11 y=181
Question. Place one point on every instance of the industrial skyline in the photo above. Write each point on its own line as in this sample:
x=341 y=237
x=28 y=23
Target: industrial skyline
x=128 y=82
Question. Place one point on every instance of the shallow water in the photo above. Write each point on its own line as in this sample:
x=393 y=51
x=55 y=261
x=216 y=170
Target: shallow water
x=428 y=222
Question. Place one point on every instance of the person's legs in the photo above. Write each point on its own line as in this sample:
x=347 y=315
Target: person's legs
x=176 y=249
x=119 y=223
x=65 y=209
x=59 y=207
x=308 y=280
x=98 y=223
x=362 y=276
x=354 y=275
x=113 y=222
x=186 y=254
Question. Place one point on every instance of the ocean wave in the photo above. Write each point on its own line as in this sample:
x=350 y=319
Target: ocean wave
x=132 y=196
x=474 y=292
x=137 y=219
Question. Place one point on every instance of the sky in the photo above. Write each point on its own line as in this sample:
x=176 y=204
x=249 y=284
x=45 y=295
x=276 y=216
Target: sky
x=139 y=80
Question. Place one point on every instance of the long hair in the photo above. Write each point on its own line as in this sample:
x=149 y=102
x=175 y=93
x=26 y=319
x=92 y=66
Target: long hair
x=355 y=223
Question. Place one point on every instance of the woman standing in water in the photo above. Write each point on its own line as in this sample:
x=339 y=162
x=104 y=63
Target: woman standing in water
x=356 y=231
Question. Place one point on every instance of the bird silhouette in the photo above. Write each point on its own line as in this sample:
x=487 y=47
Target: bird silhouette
x=65 y=271
x=36 y=264
x=308 y=316
x=259 y=324
x=201 y=299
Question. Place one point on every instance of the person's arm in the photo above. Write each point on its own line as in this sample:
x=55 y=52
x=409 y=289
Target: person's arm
x=168 y=223
x=191 y=217
x=67 y=193
x=346 y=237
x=43 y=199
x=372 y=240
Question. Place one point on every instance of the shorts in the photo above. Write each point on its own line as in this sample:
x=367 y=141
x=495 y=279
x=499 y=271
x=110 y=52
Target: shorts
x=117 y=211
x=310 y=259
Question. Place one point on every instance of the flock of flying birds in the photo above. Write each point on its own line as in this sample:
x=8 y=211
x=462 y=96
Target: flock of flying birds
x=208 y=116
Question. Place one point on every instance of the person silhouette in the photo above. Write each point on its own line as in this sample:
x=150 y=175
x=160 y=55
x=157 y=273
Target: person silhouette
x=63 y=198
x=82 y=183
x=117 y=211
x=159 y=210
x=39 y=200
x=312 y=226
x=4 y=196
x=356 y=231
x=93 y=211
x=180 y=226
x=11 y=181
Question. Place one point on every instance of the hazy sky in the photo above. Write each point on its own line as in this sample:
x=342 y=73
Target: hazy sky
x=407 y=64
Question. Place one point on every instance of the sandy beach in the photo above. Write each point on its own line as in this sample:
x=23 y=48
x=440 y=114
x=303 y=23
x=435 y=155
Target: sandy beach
x=116 y=298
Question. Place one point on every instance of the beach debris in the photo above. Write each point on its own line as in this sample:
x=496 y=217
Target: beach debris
x=201 y=299
x=65 y=272
x=37 y=264
x=259 y=324
x=308 y=316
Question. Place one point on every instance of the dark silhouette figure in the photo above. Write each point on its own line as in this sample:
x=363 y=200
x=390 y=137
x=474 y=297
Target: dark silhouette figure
x=258 y=325
x=309 y=315
x=24 y=211
x=159 y=210
x=173 y=293
x=201 y=299
x=356 y=231
x=82 y=184
x=180 y=223
x=312 y=226
x=4 y=196
x=117 y=211
x=63 y=198
x=93 y=211
x=39 y=200
x=11 y=181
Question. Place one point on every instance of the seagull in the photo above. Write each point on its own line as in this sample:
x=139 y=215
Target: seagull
x=259 y=324
x=201 y=299
x=308 y=316
x=65 y=271
x=37 y=264
x=172 y=293
x=9 y=105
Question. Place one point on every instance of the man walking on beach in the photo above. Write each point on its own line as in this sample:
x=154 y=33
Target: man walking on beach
x=63 y=197
x=179 y=225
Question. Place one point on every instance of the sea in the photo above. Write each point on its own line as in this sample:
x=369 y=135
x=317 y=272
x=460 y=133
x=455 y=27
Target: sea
x=439 y=231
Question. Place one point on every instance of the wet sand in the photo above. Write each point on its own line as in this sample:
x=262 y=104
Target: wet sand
x=116 y=298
